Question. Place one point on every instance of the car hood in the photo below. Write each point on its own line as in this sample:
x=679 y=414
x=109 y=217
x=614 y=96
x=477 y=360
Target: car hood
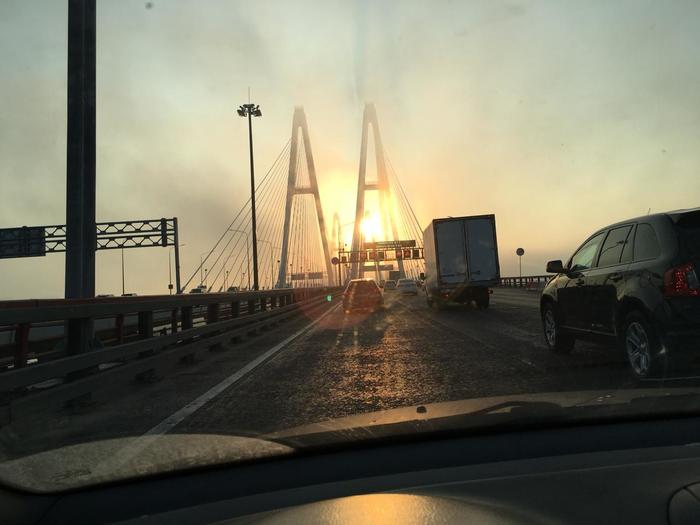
x=505 y=412
x=120 y=458
x=128 y=457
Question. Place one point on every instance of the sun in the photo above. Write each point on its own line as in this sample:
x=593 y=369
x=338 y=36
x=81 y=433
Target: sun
x=371 y=227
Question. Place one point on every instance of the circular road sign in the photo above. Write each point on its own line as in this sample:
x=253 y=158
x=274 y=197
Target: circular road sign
x=520 y=252
x=335 y=260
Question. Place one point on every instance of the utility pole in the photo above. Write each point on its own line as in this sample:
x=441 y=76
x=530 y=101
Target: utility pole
x=252 y=110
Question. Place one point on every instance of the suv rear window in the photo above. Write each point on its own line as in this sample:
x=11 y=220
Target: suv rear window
x=646 y=245
x=363 y=287
x=689 y=227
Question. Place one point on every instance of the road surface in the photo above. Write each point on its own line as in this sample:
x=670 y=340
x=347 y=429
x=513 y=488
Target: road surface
x=407 y=355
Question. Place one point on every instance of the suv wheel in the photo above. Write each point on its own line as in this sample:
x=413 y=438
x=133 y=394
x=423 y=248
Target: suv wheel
x=641 y=346
x=557 y=341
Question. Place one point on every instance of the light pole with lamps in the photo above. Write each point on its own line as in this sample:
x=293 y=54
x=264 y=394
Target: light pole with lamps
x=247 y=248
x=252 y=110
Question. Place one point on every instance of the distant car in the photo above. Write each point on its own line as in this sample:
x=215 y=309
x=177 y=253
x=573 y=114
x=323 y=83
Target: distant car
x=199 y=289
x=105 y=295
x=233 y=289
x=129 y=294
x=362 y=294
x=407 y=287
x=635 y=282
x=390 y=285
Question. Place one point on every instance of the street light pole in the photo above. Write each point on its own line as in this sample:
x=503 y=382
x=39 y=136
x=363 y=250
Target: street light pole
x=252 y=110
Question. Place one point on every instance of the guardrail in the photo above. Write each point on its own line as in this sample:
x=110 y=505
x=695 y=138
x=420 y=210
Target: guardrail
x=166 y=331
x=533 y=282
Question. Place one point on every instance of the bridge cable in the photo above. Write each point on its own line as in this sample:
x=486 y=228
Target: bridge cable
x=226 y=231
x=243 y=227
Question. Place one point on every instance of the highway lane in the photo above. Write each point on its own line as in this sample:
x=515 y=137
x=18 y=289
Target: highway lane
x=408 y=355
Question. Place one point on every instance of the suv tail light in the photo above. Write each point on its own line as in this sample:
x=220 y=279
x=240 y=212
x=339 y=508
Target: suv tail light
x=681 y=281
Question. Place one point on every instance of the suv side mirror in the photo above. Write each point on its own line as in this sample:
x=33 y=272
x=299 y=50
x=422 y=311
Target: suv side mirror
x=555 y=267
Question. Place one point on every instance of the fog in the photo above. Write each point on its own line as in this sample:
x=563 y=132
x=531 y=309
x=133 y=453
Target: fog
x=559 y=117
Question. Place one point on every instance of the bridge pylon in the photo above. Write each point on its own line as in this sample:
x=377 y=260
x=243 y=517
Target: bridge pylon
x=299 y=124
x=382 y=186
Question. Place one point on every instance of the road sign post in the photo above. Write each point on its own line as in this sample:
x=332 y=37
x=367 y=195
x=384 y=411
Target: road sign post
x=520 y=252
x=336 y=261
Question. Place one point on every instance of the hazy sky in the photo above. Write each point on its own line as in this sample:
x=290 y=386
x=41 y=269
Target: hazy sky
x=558 y=116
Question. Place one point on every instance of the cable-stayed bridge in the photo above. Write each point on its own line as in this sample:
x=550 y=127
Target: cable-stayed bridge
x=295 y=247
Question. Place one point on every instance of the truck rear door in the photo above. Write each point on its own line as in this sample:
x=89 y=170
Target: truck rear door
x=451 y=253
x=480 y=238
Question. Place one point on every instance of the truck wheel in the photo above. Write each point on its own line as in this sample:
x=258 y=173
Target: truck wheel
x=557 y=341
x=482 y=300
x=642 y=346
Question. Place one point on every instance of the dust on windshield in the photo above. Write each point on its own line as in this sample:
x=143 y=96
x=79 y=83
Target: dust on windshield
x=193 y=192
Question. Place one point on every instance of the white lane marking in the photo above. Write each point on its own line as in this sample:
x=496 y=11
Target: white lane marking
x=170 y=422
x=130 y=451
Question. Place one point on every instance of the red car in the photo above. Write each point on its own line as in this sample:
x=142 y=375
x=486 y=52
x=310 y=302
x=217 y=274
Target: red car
x=362 y=294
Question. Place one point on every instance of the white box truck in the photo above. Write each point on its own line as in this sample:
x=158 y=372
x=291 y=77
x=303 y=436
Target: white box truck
x=461 y=260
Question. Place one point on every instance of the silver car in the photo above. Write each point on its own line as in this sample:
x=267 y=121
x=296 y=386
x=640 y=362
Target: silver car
x=407 y=287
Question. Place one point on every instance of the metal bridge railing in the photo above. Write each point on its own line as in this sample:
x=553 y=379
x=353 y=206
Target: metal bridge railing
x=136 y=338
x=530 y=282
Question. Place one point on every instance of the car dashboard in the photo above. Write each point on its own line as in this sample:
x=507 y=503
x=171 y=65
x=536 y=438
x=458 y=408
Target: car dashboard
x=639 y=472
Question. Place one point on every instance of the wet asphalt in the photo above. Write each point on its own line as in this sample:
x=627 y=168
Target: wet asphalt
x=407 y=355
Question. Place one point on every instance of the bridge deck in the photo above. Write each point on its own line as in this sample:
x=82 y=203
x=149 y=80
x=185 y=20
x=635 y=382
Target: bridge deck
x=345 y=364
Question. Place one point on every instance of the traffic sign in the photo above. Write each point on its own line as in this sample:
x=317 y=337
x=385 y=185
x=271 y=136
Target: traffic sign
x=520 y=252
x=387 y=245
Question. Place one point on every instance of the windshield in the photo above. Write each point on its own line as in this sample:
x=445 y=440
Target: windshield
x=201 y=200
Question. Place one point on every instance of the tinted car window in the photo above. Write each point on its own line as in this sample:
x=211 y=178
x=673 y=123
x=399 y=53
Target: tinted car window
x=646 y=245
x=584 y=257
x=628 y=249
x=363 y=287
x=689 y=227
x=611 y=251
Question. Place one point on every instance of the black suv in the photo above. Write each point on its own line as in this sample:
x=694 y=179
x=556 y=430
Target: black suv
x=635 y=281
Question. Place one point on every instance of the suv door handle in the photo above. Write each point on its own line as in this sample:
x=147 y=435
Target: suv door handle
x=580 y=282
x=615 y=277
